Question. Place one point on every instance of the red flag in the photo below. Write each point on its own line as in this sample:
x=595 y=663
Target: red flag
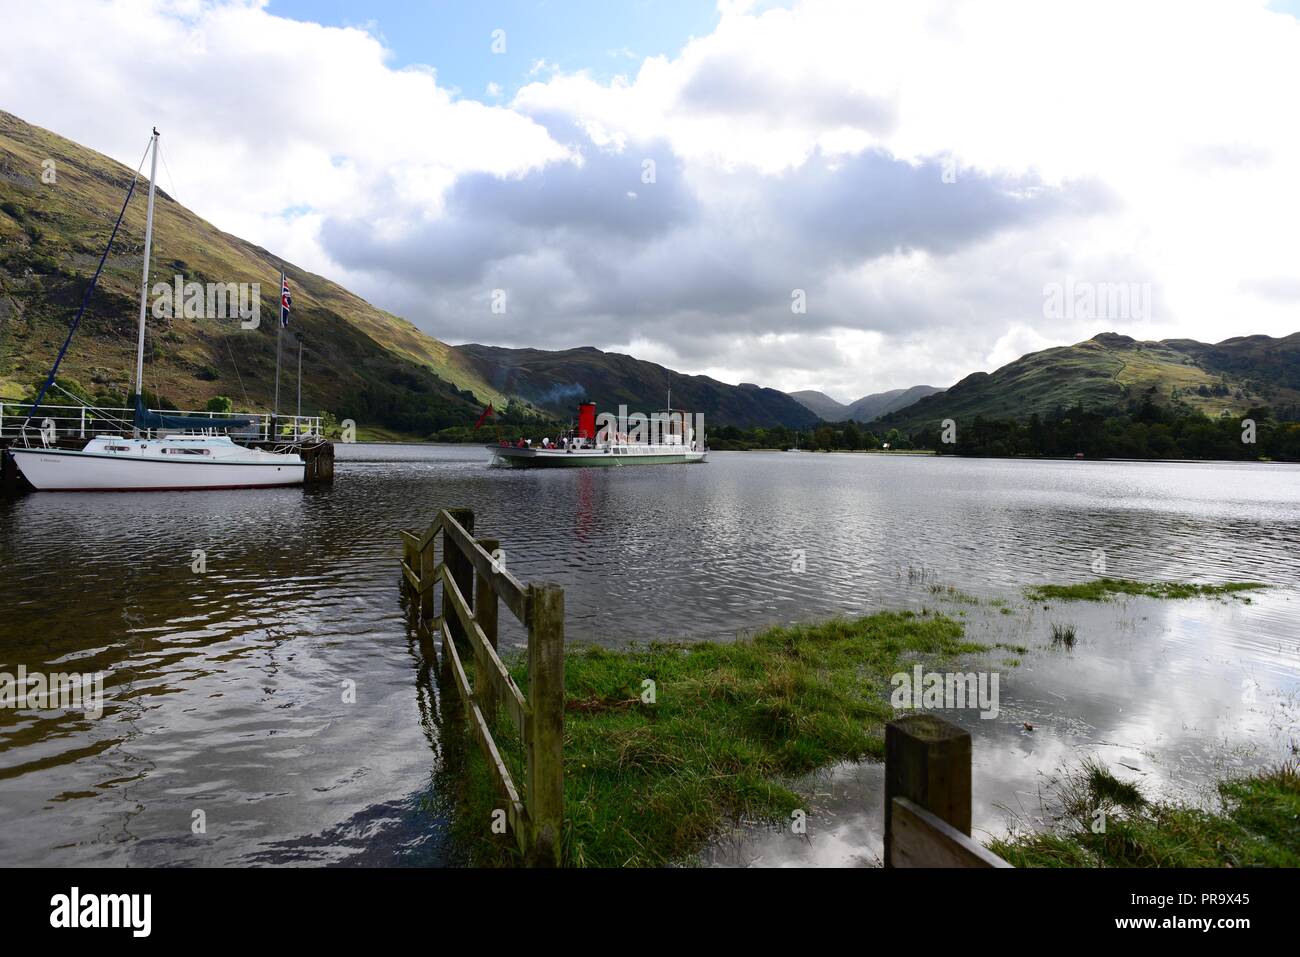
x=483 y=417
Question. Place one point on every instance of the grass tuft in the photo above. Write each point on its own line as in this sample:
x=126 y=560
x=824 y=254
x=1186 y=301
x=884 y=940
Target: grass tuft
x=1063 y=635
x=1257 y=824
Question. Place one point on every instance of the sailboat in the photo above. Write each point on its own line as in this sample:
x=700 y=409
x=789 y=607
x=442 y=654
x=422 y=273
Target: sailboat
x=177 y=458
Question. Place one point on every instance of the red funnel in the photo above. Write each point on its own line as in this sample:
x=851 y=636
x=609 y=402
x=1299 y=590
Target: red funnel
x=587 y=420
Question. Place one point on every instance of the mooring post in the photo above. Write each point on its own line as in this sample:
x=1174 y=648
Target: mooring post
x=927 y=761
x=460 y=569
x=546 y=702
x=485 y=613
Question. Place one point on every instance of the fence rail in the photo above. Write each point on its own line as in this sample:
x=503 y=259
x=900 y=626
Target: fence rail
x=77 y=421
x=473 y=580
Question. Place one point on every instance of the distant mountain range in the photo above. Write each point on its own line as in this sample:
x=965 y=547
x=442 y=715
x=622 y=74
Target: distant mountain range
x=557 y=381
x=359 y=361
x=1110 y=371
x=363 y=363
x=867 y=408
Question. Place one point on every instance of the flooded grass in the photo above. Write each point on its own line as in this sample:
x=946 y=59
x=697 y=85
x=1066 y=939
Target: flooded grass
x=1103 y=589
x=1063 y=635
x=1105 y=822
x=954 y=594
x=647 y=784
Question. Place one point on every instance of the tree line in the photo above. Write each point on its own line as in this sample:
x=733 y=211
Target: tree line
x=1142 y=430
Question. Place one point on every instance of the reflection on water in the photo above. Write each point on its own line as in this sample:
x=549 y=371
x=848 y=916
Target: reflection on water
x=228 y=692
x=1170 y=695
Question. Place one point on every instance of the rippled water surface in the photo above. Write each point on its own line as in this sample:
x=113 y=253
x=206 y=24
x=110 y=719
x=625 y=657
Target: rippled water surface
x=227 y=692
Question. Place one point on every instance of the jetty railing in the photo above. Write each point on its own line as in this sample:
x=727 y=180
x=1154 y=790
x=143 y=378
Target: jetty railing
x=474 y=581
x=83 y=422
x=928 y=796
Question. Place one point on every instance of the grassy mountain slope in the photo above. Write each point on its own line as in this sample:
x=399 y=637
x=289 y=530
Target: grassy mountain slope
x=359 y=361
x=882 y=403
x=557 y=381
x=1108 y=371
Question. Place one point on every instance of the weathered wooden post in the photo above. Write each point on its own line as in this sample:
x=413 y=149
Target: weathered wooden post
x=408 y=558
x=546 y=742
x=428 y=561
x=927 y=762
x=485 y=613
x=461 y=571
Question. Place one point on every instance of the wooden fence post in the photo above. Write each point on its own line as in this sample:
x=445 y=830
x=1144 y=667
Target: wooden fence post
x=408 y=559
x=546 y=742
x=461 y=571
x=485 y=613
x=424 y=567
x=927 y=761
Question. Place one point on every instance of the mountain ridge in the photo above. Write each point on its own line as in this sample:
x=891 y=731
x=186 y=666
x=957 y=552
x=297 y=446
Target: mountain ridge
x=1111 y=371
x=360 y=361
x=863 y=410
x=557 y=380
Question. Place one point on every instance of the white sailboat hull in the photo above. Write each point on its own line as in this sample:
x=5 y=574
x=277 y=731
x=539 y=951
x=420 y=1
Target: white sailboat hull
x=62 y=470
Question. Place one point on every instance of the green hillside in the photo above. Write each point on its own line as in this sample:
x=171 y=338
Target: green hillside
x=359 y=361
x=557 y=381
x=1110 y=371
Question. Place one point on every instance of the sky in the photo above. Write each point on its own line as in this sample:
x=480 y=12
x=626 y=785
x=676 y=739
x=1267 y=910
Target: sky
x=842 y=195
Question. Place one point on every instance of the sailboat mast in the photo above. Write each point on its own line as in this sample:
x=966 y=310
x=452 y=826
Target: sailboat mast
x=279 y=335
x=144 y=283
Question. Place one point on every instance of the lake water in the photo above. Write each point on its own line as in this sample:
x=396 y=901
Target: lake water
x=228 y=698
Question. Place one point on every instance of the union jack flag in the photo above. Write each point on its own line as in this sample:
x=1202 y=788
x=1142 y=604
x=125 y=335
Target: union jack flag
x=286 y=301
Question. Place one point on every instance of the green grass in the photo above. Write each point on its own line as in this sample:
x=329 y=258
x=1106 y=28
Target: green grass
x=732 y=724
x=1256 y=824
x=1102 y=589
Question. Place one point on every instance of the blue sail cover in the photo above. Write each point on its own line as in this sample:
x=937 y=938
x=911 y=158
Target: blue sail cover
x=146 y=419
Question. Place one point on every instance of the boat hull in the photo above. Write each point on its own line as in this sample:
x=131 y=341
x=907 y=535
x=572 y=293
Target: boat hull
x=558 y=459
x=62 y=470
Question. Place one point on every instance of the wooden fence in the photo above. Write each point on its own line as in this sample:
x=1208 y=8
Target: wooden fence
x=474 y=582
x=927 y=796
x=927 y=759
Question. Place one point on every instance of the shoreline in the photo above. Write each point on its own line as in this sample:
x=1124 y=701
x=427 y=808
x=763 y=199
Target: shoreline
x=923 y=453
x=735 y=727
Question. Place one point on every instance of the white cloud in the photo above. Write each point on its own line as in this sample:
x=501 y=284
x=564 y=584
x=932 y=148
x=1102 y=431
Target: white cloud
x=801 y=146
